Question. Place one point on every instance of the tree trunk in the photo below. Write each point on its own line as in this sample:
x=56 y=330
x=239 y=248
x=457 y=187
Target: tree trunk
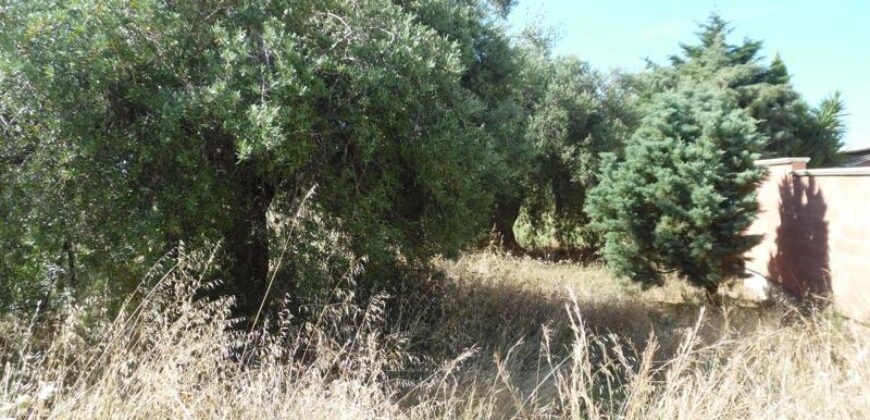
x=246 y=232
x=69 y=248
x=247 y=241
x=712 y=293
x=505 y=214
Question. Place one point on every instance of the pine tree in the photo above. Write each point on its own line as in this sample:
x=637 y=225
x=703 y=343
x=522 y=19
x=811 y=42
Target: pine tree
x=825 y=126
x=763 y=90
x=685 y=193
x=777 y=73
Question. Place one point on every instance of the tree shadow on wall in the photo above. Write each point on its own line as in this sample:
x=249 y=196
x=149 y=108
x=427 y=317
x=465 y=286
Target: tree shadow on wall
x=801 y=262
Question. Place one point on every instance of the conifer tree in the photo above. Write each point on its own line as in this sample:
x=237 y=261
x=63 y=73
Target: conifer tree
x=685 y=193
x=763 y=90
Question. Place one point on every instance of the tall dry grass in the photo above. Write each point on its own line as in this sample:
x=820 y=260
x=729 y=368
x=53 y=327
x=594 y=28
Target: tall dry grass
x=505 y=340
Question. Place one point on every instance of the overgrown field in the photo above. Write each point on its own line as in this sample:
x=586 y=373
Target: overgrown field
x=501 y=337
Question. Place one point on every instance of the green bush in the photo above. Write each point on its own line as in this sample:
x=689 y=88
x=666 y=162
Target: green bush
x=132 y=127
x=685 y=193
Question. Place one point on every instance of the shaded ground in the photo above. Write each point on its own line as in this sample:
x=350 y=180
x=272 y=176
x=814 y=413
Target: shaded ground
x=519 y=295
x=513 y=311
x=537 y=351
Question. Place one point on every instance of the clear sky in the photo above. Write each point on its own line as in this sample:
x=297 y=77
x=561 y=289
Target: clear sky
x=824 y=44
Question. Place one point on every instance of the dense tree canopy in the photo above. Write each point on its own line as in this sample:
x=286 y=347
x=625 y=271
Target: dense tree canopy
x=685 y=193
x=572 y=114
x=408 y=128
x=506 y=78
x=581 y=116
x=764 y=90
x=153 y=122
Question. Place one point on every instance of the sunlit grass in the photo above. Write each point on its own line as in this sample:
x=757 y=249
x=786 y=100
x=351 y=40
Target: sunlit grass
x=507 y=338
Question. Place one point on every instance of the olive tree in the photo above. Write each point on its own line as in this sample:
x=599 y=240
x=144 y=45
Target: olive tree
x=129 y=127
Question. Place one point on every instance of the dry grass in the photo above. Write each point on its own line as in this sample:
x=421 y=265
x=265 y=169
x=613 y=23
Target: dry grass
x=508 y=338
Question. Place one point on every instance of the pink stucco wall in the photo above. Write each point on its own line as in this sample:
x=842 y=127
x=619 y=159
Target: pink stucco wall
x=816 y=232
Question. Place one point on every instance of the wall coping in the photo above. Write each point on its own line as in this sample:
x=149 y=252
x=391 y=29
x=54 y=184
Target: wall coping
x=781 y=161
x=858 y=171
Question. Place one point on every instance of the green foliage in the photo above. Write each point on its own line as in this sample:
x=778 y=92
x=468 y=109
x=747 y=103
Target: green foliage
x=501 y=76
x=581 y=115
x=685 y=192
x=826 y=125
x=129 y=127
x=507 y=79
x=763 y=90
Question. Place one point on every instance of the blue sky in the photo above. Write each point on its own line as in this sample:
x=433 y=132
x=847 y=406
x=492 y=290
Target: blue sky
x=825 y=44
